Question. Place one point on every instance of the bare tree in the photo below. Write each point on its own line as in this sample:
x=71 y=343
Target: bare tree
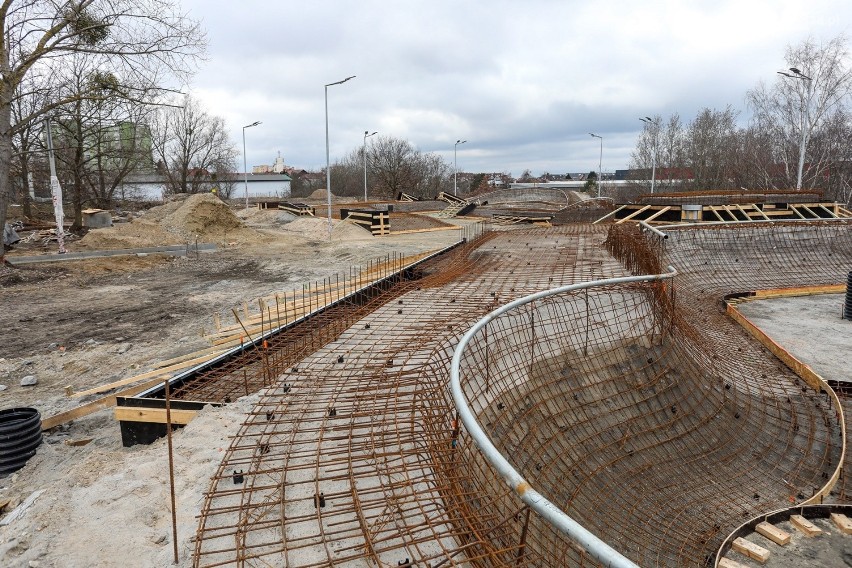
x=709 y=143
x=100 y=139
x=670 y=140
x=132 y=43
x=798 y=106
x=192 y=149
x=392 y=164
x=26 y=143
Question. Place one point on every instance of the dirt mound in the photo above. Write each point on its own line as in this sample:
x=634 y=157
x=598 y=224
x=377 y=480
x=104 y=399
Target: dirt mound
x=201 y=216
x=316 y=228
x=265 y=217
x=160 y=212
x=137 y=234
x=348 y=231
x=321 y=194
x=204 y=215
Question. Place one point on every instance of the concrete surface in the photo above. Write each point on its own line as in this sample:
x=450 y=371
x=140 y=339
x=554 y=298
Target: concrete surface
x=809 y=328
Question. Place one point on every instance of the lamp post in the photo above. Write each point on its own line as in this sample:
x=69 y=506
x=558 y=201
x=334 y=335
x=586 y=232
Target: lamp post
x=656 y=124
x=245 y=167
x=327 y=162
x=600 y=161
x=796 y=74
x=366 y=135
x=456 y=166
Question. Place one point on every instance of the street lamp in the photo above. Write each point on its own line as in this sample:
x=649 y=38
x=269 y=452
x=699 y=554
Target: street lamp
x=649 y=120
x=600 y=161
x=245 y=167
x=366 y=135
x=456 y=166
x=796 y=74
x=327 y=162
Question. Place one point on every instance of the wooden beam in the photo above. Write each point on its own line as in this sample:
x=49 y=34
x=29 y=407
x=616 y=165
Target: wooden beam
x=638 y=211
x=842 y=522
x=716 y=213
x=832 y=214
x=154 y=415
x=608 y=215
x=160 y=373
x=658 y=213
x=728 y=563
x=804 y=526
x=750 y=550
x=794 y=208
x=773 y=533
x=94 y=406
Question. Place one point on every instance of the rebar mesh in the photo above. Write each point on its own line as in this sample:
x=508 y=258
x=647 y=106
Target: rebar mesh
x=641 y=409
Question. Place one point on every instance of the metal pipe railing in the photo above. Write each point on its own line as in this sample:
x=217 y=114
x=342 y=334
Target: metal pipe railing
x=596 y=548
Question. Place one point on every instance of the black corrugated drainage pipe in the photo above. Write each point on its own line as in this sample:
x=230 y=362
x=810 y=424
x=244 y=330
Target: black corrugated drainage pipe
x=20 y=435
x=847 y=306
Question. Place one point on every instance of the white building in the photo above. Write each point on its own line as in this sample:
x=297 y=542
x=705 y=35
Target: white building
x=152 y=187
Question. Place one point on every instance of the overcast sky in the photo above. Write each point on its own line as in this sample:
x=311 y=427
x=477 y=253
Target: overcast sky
x=524 y=82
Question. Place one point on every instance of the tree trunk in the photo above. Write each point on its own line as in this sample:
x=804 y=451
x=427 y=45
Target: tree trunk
x=5 y=158
x=26 y=202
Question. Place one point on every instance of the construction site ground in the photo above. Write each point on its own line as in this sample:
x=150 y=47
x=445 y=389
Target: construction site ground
x=81 y=324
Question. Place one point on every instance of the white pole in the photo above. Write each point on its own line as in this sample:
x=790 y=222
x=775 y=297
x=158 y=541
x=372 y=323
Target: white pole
x=456 y=166
x=245 y=167
x=56 y=193
x=600 y=161
x=327 y=159
x=804 y=142
x=364 y=149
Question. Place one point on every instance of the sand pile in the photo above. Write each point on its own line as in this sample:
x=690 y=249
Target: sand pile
x=315 y=228
x=255 y=216
x=201 y=216
x=321 y=194
x=137 y=234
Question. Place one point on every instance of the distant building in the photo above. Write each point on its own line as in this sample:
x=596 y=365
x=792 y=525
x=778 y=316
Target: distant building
x=152 y=187
x=277 y=167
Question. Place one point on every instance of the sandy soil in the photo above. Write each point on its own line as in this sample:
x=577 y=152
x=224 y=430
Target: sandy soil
x=88 y=323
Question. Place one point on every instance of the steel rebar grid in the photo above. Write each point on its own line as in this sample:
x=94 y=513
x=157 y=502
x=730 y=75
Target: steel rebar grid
x=684 y=440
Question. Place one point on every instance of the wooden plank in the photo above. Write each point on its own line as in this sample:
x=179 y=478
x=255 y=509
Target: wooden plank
x=728 y=563
x=773 y=533
x=608 y=215
x=638 y=211
x=750 y=550
x=795 y=210
x=19 y=510
x=161 y=373
x=658 y=213
x=94 y=406
x=842 y=522
x=429 y=230
x=804 y=526
x=716 y=213
x=155 y=415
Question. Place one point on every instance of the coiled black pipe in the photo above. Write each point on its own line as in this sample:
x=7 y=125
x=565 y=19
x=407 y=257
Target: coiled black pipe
x=847 y=306
x=20 y=435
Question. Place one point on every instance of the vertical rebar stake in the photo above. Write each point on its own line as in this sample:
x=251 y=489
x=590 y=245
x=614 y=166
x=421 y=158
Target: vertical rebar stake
x=171 y=468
